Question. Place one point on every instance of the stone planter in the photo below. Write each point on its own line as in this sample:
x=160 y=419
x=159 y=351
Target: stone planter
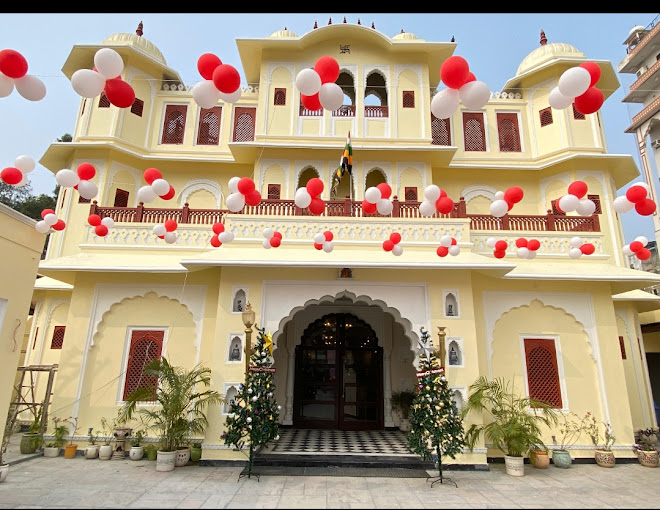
x=165 y=460
x=120 y=433
x=561 y=458
x=605 y=458
x=51 y=451
x=182 y=456
x=92 y=451
x=136 y=453
x=105 y=452
x=539 y=459
x=70 y=451
x=404 y=425
x=195 y=454
x=30 y=442
x=515 y=466
x=4 y=472
x=648 y=458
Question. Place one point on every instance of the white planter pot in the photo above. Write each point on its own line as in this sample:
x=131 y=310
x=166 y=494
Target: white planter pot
x=136 y=452
x=92 y=451
x=105 y=452
x=4 y=472
x=404 y=425
x=515 y=466
x=182 y=457
x=165 y=461
x=51 y=451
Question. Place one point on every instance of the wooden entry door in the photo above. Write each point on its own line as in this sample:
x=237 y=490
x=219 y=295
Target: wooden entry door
x=339 y=376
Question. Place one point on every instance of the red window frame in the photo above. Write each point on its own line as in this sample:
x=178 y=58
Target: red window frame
x=408 y=99
x=58 y=337
x=545 y=116
x=279 y=97
x=121 y=198
x=542 y=371
x=274 y=191
x=146 y=345
x=137 y=107
x=622 y=345
x=174 y=124
x=244 y=124
x=104 y=102
x=440 y=131
x=474 y=132
x=508 y=132
x=410 y=194
x=205 y=127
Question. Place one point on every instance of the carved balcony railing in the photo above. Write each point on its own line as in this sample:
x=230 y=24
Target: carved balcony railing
x=376 y=111
x=351 y=208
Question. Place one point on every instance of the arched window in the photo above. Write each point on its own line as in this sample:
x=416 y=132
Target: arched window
x=374 y=178
x=209 y=126
x=542 y=371
x=474 y=131
x=377 y=88
x=230 y=395
x=440 y=134
x=305 y=176
x=546 y=116
x=279 y=98
x=347 y=84
x=507 y=127
x=175 y=123
x=244 y=124
x=239 y=301
x=145 y=346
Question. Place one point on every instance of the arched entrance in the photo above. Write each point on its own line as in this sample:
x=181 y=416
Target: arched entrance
x=338 y=375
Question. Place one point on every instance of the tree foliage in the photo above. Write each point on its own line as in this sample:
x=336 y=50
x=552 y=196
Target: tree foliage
x=21 y=199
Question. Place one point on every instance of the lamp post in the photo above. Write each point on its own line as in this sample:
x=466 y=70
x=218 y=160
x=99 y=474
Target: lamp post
x=440 y=353
x=248 y=319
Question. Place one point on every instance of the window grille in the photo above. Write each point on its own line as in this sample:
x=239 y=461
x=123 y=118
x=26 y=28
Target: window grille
x=440 y=134
x=280 y=97
x=244 y=122
x=507 y=128
x=576 y=114
x=555 y=209
x=410 y=194
x=622 y=345
x=104 y=102
x=208 y=132
x=82 y=200
x=146 y=346
x=58 y=337
x=137 y=107
x=542 y=371
x=274 y=191
x=175 y=123
x=546 y=116
x=408 y=98
x=596 y=200
x=474 y=132
x=121 y=198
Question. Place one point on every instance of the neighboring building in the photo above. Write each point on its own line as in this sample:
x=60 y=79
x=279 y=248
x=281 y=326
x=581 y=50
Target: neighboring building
x=561 y=329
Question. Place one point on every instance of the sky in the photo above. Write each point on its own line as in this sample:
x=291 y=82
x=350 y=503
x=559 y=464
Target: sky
x=494 y=44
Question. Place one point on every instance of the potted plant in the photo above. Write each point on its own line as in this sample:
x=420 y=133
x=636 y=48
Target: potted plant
x=196 y=452
x=32 y=440
x=539 y=456
x=645 y=447
x=603 y=454
x=71 y=449
x=105 y=451
x=137 y=450
x=401 y=402
x=52 y=448
x=182 y=454
x=92 y=449
x=515 y=422
x=182 y=396
x=571 y=428
x=151 y=450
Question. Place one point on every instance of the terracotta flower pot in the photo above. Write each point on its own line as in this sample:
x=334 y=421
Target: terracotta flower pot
x=70 y=451
x=605 y=458
x=539 y=459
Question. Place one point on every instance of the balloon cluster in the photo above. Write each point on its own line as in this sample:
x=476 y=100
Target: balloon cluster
x=505 y=200
x=49 y=220
x=272 y=238
x=13 y=74
x=376 y=198
x=448 y=246
x=463 y=87
x=574 y=201
x=156 y=187
x=221 y=81
x=101 y=226
x=577 y=86
x=317 y=86
x=527 y=248
x=636 y=197
x=105 y=77
x=84 y=174
x=166 y=231
x=435 y=200
x=323 y=241
x=579 y=248
x=499 y=247
x=310 y=196
x=392 y=244
x=221 y=236
x=243 y=191
x=638 y=248
x=17 y=175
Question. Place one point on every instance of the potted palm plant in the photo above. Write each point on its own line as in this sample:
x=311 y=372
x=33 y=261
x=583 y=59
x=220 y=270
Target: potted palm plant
x=52 y=448
x=602 y=453
x=645 y=447
x=515 y=422
x=571 y=427
x=181 y=396
x=32 y=439
x=401 y=402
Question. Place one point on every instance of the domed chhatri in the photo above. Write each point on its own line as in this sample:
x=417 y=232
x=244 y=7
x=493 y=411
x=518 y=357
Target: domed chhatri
x=280 y=34
x=138 y=41
x=546 y=52
x=406 y=36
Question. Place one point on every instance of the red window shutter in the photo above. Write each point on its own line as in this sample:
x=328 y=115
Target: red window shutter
x=280 y=97
x=82 y=200
x=244 y=122
x=137 y=107
x=507 y=128
x=410 y=194
x=408 y=98
x=546 y=116
x=58 y=337
x=274 y=191
x=576 y=114
x=121 y=198
x=622 y=345
x=474 y=131
x=146 y=346
x=440 y=134
x=542 y=371
x=175 y=123
x=104 y=102
x=208 y=132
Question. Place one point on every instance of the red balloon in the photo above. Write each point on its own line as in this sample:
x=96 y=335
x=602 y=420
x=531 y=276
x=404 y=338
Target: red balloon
x=327 y=68
x=318 y=246
x=501 y=246
x=388 y=245
x=277 y=234
x=454 y=72
x=444 y=205
x=151 y=174
x=646 y=207
x=499 y=254
x=533 y=244
x=317 y=206
x=395 y=237
x=86 y=171
x=578 y=188
x=385 y=190
x=59 y=225
x=636 y=194
x=442 y=251
x=11 y=175
x=329 y=236
x=253 y=198
x=368 y=207
x=315 y=187
x=218 y=228
x=275 y=241
x=635 y=246
x=101 y=230
x=170 y=225
x=594 y=71
x=587 y=248
x=169 y=195
x=226 y=78
x=443 y=193
x=644 y=254
x=13 y=64
x=206 y=64
x=45 y=212
x=246 y=185
x=215 y=242
x=453 y=241
x=312 y=103
x=521 y=242
x=471 y=77
x=94 y=220
x=513 y=195
x=590 y=101
x=161 y=237
x=119 y=93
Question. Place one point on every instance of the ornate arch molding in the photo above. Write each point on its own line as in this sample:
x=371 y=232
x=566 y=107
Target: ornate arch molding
x=201 y=184
x=470 y=192
x=418 y=167
x=114 y=170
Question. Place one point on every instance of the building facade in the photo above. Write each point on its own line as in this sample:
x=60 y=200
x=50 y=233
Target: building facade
x=345 y=324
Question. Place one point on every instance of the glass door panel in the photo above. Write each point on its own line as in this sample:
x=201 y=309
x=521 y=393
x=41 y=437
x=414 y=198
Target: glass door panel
x=361 y=382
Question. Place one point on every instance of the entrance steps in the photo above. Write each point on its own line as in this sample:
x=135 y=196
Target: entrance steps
x=321 y=460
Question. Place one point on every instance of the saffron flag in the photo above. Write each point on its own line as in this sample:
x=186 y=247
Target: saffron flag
x=345 y=165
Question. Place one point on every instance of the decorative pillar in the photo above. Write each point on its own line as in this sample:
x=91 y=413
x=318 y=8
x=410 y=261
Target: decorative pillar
x=387 y=388
x=120 y=433
x=441 y=353
x=290 y=375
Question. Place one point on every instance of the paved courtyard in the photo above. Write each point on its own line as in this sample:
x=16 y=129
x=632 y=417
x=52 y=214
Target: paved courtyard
x=91 y=483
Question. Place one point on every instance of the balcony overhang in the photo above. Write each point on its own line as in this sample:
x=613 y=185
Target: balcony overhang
x=642 y=301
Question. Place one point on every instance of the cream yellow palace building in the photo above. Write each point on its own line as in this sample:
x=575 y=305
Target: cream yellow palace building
x=562 y=329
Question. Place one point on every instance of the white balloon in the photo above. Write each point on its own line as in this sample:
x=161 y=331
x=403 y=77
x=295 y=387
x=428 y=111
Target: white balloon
x=427 y=208
x=158 y=230
x=108 y=63
x=643 y=185
x=145 y=194
x=108 y=222
x=585 y=207
x=454 y=250
x=445 y=241
x=373 y=195
x=25 y=164
x=384 y=206
x=269 y=232
x=328 y=246
x=499 y=208
x=642 y=239
x=42 y=227
x=499 y=195
x=233 y=184
x=266 y=244
x=574 y=81
x=397 y=250
x=575 y=253
x=531 y=254
x=170 y=237
x=235 y=202
x=50 y=219
x=490 y=242
x=205 y=94
x=627 y=251
x=576 y=242
x=432 y=193
x=22 y=182
x=160 y=187
x=232 y=97
x=6 y=85
x=87 y=189
x=226 y=237
x=523 y=252
x=568 y=203
x=445 y=103
x=302 y=198
x=67 y=178
x=30 y=87
x=331 y=96
x=308 y=82
x=622 y=204
x=87 y=83
x=319 y=238
x=474 y=94
x=558 y=100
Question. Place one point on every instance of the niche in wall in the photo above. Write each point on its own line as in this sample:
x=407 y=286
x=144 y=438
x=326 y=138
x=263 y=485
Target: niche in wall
x=239 y=299
x=454 y=351
x=458 y=397
x=235 y=342
x=450 y=303
x=230 y=392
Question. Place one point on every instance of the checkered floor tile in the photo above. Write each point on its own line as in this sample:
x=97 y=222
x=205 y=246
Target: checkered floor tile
x=333 y=442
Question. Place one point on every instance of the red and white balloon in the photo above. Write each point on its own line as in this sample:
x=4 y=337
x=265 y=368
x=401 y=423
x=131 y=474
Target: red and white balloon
x=220 y=235
x=636 y=197
x=577 y=86
x=221 y=81
x=392 y=244
x=638 y=248
x=101 y=225
x=243 y=191
x=86 y=188
x=13 y=75
x=377 y=199
x=317 y=86
x=435 y=200
x=272 y=238
x=49 y=220
x=309 y=197
x=505 y=200
x=166 y=231
x=499 y=247
x=448 y=246
x=578 y=248
x=105 y=77
x=462 y=87
x=17 y=175
x=323 y=241
x=575 y=200
x=526 y=249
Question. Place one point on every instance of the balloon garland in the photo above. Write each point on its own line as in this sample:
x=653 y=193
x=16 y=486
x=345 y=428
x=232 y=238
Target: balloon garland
x=17 y=175
x=317 y=86
x=638 y=248
x=323 y=241
x=273 y=239
x=463 y=87
x=392 y=244
x=577 y=86
x=221 y=81
x=13 y=75
x=105 y=77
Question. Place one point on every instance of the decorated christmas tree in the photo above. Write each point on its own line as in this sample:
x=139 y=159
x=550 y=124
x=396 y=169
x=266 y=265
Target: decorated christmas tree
x=435 y=424
x=253 y=413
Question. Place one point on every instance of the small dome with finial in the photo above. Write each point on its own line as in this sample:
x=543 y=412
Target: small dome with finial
x=138 y=41
x=406 y=36
x=545 y=52
x=281 y=34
